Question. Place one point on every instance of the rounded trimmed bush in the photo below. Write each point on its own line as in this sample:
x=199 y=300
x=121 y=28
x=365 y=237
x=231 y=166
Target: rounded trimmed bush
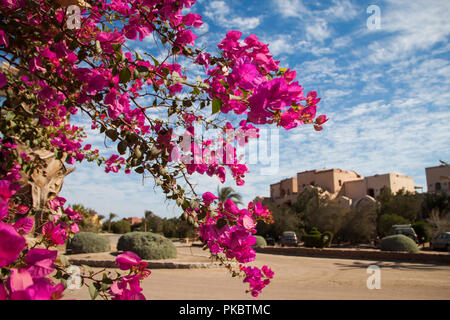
x=398 y=242
x=260 y=242
x=147 y=245
x=313 y=239
x=327 y=238
x=88 y=242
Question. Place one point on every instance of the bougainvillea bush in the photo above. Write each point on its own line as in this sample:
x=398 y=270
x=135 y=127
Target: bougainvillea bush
x=56 y=68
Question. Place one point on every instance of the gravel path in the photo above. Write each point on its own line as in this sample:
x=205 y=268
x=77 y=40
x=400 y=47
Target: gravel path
x=298 y=278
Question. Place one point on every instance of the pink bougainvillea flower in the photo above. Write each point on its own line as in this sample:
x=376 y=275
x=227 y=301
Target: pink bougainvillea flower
x=22 y=209
x=312 y=99
x=127 y=260
x=23 y=287
x=55 y=233
x=120 y=292
x=5 y=194
x=247 y=222
x=72 y=214
x=35 y=65
x=11 y=244
x=5 y=190
x=185 y=37
x=203 y=59
x=24 y=225
x=246 y=75
x=208 y=198
x=4 y=40
x=321 y=119
x=193 y=19
x=289 y=75
x=56 y=203
x=3 y=292
x=40 y=262
x=231 y=207
x=19 y=280
x=3 y=80
x=74 y=228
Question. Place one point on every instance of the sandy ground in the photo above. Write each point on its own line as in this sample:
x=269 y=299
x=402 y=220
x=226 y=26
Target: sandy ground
x=298 y=278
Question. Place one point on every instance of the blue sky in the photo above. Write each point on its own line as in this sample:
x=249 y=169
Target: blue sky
x=386 y=92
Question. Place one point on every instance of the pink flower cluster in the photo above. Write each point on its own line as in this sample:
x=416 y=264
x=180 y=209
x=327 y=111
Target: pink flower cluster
x=230 y=230
x=257 y=278
x=29 y=282
x=248 y=67
x=128 y=287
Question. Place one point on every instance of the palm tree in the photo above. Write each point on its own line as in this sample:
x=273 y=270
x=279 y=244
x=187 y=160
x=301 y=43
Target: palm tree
x=228 y=193
x=147 y=215
x=111 y=217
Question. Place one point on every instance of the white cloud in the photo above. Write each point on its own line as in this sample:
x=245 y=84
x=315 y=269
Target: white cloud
x=291 y=8
x=414 y=25
x=220 y=13
x=318 y=31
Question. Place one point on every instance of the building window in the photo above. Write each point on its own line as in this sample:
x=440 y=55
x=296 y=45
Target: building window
x=371 y=192
x=438 y=186
x=340 y=183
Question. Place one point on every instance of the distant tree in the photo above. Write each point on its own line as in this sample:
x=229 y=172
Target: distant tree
x=404 y=203
x=440 y=223
x=112 y=216
x=147 y=215
x=423 y=231
x=438 y=202
x=386 y=221
x=121 y=227
x=228 y=193
x=285 y=219
x=359 y=225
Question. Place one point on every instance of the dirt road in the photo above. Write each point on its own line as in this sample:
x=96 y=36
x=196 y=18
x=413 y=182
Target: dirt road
x=298 y=278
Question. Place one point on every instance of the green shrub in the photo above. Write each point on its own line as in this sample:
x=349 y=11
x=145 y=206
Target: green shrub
x=147 y=245
x=327 y=238
x=260 y=241
x=386 y=221
x=398 y=242
x=88 y=242
x=313 y=239
x=121 y=227
x=423 y=231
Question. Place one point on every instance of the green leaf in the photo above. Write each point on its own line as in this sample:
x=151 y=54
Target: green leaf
x=10 y=116
x=93 y=291
x=196 y=91
x=112 y=134
x=142 y=68
x=98 y=47
x=216 y=105
x=139 y=170
x=122 y=147
x=124 y=75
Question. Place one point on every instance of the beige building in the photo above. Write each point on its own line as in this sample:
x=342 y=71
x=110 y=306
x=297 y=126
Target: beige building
x=339 y=183
x=373 y=185
x=438 y=179
x=284 y=191
x=330 y=180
